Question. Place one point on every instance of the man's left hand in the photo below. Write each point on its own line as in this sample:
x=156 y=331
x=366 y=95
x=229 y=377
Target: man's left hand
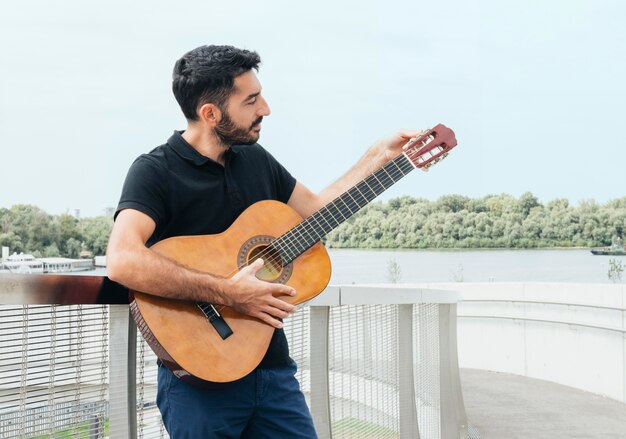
x=391 y=147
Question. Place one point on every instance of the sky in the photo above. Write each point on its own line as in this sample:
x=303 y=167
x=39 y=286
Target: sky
x=534 y=91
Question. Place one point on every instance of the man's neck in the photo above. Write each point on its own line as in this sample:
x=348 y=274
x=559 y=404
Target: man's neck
x=206 y=143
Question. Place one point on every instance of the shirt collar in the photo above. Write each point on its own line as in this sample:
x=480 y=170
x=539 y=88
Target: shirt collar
x=189 y=153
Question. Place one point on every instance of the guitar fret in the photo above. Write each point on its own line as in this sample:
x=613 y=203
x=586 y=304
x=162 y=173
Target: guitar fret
x=338 y=210
x=304 y=236
x=299 y=247
x=303 y=224
x=357 y=193
x=286 y=246
x=312 y=217
x=372 y=184
x=318 y=236
x=311 y=231
x=355 y=201
x=381 y=176
x=389 y=175
x=382 y=186
x=312 y=239
x=331 y=216
x=347 y=206
x=395 y=169
x=278 y=246
x=398 y=167
x=322 y=216
x=291 y=254
x=356 y=188
x=364 y=182
x=319 y=233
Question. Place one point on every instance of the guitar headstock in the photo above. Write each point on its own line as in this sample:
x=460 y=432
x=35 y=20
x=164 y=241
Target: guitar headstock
x=431 y=147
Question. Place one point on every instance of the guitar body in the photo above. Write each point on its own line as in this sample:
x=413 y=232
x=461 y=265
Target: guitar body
x=178 y=331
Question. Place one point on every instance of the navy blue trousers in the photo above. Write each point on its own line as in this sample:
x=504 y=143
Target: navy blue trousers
x=266 y=404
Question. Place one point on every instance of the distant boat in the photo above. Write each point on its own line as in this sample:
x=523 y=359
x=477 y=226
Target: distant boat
x=22 y=263
x=608 y=251
x=616 y=249
x=26 y=263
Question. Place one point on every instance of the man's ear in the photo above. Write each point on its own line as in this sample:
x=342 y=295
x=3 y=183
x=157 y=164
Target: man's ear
x=210 y=114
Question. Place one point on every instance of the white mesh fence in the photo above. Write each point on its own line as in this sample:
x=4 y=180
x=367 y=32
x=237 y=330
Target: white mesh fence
x=54 y=371
x=149 y=423
x=426 y=369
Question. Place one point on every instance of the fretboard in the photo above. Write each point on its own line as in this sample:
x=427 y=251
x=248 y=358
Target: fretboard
x=307 y=233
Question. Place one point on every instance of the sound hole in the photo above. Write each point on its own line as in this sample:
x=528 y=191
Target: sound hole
x=272 y=262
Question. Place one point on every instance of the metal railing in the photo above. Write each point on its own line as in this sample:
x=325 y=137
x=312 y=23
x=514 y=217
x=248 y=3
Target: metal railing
x=374 y=361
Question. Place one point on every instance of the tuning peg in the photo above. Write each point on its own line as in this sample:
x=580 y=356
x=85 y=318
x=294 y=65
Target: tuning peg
x=437 y=160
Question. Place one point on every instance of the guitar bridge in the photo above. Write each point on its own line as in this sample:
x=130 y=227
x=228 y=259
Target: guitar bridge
x=216 y=319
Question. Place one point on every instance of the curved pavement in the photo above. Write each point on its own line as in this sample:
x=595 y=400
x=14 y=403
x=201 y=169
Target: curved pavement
x=505 y=406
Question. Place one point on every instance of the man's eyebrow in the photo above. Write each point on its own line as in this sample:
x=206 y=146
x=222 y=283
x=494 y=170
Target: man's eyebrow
x=253 y=95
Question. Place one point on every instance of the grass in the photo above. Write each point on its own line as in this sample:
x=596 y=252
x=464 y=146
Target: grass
x=352 y=428
x=82 y=431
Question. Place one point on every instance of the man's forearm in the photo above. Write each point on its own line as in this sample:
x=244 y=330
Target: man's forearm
x=373 y=159
x=147 y=271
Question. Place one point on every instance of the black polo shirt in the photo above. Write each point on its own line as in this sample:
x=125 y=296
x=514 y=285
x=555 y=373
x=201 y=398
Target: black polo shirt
x=186 y=193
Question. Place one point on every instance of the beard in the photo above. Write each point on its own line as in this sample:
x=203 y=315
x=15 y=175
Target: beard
x=230 y=133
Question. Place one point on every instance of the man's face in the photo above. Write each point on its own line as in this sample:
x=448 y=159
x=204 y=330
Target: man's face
x=245 y=109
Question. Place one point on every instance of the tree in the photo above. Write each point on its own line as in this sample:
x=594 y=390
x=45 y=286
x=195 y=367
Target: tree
x=452 y=203
x=51 y=251
x=95 y=232
x=11 y=240
x=527 y=202
x=65 y=227
x=73 y=248
x=32 y=225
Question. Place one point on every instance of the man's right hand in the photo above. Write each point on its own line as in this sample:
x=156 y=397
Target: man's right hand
x=247 y=294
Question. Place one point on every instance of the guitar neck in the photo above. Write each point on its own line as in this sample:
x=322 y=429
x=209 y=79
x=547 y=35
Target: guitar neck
x=307 y=233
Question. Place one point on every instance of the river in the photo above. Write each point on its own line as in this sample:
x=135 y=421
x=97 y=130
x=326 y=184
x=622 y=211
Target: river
x=562 y=265
x=373 y=266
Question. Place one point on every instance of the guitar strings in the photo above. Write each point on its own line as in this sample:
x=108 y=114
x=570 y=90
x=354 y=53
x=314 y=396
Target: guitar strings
x=291 y=235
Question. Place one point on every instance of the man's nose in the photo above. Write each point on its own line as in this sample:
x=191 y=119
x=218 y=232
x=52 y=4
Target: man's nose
x=264 y=109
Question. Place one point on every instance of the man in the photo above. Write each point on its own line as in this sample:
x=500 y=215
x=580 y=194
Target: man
x=198 y=183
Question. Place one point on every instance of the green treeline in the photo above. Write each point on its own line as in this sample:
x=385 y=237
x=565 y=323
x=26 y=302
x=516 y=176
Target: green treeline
x=28 y=229
x=452 y=221
x=502 y=221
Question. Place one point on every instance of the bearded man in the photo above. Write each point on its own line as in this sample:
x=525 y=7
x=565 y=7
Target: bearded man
x=198 y=183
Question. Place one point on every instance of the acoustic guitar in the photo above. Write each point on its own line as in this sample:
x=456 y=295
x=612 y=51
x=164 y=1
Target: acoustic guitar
x=207 y=344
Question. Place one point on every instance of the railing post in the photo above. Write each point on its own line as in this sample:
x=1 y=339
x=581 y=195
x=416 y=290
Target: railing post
x=452 y=409
x=122 y=373
x=623 y=305
x=320 y=394
x=408 y=411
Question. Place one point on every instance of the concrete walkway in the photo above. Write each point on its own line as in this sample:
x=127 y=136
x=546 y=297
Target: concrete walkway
x=504 y=406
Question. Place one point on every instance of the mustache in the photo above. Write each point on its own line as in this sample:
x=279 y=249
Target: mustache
x=256 y=122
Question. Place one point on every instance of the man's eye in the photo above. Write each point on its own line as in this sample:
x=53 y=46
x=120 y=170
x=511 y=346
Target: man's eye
x=252 y=101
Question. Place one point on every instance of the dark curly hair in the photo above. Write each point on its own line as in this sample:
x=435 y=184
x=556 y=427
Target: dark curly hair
x=207 y=74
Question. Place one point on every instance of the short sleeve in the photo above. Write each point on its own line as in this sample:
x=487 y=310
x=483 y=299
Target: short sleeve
x=145 y=189
x=284 y=181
